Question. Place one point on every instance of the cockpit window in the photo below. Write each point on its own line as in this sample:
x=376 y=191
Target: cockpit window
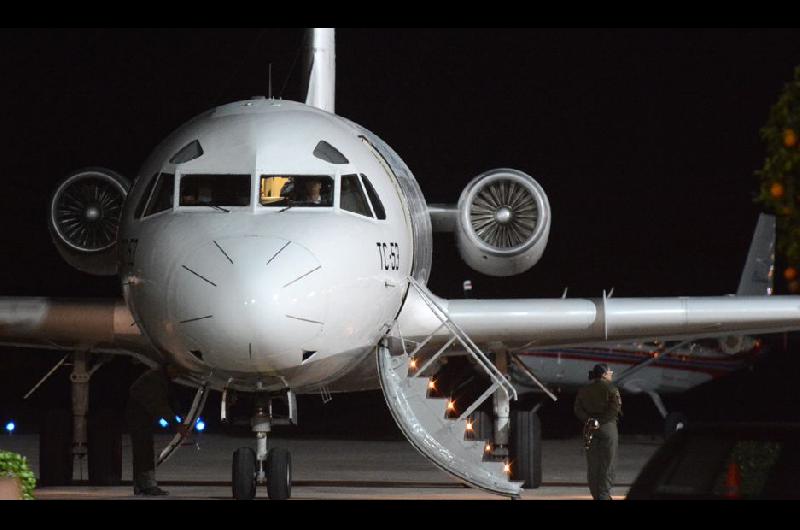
x=327 y=152
x=296 y=190
x=162 y=196
x=188 y=152
x=215 y=190
x=377 y=205
x=353 y=198
x=146 y=195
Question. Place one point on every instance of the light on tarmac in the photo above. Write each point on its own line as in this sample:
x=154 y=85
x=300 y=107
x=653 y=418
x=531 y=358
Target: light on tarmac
x=200 y=425
x=164 y=423
x=10 y=426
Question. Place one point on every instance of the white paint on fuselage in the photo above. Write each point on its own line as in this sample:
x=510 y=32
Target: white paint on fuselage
x=252 y=289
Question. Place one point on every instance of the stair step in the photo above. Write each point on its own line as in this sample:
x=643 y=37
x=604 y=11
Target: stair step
x=418 y=385
x=496 y=467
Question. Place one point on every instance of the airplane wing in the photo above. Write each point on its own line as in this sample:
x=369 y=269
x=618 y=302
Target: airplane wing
x=100 y=326
x=520 y=323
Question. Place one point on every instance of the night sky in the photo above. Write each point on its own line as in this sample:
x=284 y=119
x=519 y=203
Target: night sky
x=645 y=141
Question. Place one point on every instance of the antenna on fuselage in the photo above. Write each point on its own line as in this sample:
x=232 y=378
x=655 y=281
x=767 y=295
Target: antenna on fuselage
x=269 y=75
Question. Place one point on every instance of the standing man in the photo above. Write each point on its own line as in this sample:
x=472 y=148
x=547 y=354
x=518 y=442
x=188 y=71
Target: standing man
x=149 y=400
x=600 y=400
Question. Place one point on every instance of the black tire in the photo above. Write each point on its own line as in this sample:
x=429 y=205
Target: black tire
x=244 y=474
x=105 y=448
x=55 y=449
x=674 y=422
x=525 y=448
x=279 y=474
x=482 y=426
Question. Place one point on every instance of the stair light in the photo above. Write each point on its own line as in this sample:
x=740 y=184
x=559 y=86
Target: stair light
x=488 y=448
x=469 y=425
x=451 y=405
x=413 y=363
x=431 y=385
x=507 y=468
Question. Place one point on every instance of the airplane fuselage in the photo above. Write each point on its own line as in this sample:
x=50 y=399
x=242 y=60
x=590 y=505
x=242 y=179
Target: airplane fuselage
x=638 y=367
x=254 y=291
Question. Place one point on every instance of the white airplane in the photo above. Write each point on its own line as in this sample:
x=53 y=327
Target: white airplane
x=275 y=248
x=657 y=367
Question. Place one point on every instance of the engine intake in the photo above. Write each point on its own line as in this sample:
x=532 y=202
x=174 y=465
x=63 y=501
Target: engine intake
x=503 y=222
x=85 y=214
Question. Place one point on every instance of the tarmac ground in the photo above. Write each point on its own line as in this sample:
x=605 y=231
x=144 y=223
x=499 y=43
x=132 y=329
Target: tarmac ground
x=338 y=469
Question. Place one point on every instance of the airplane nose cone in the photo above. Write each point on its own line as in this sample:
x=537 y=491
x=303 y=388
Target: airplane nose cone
x=249 y=301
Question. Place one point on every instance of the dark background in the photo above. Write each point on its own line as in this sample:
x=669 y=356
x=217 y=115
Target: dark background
x=644 y=140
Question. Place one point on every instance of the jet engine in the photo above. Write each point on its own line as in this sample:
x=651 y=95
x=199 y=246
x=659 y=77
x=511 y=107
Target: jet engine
x=503 y=222
x=84 y=217
x=735 y=344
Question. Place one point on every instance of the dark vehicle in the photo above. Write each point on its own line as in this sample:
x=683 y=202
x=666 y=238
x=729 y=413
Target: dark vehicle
x=724 y=461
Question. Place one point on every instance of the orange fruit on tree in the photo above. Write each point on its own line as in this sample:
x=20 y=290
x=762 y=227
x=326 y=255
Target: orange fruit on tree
x=790 y=273
x=789 y=138
x=776 y=190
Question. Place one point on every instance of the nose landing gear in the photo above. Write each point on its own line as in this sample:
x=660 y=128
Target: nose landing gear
x=272 y=467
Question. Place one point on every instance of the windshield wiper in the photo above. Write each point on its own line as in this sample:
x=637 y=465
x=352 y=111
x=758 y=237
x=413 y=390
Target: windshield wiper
x=220 y=208
x=284 y=209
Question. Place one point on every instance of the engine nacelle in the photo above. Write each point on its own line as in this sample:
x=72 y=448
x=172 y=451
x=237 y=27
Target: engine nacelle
x=503 y=222
x=84 y=218
x=735 y=344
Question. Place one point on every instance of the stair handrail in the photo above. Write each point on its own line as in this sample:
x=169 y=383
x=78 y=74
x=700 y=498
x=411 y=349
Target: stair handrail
x=483 y=361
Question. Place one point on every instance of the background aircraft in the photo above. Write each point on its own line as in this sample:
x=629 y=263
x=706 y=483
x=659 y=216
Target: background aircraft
x=593 y=216
x=659 y=368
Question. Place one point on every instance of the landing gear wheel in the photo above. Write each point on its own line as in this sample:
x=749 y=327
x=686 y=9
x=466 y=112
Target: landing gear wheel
x=55 y=449
x=105 y=448
x=525 y=448
x=674 y=422
x=279 y=474
x=244 y=474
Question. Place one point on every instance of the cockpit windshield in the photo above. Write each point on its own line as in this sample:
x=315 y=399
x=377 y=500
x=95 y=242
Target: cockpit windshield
x=215 y=190
x=296 y=190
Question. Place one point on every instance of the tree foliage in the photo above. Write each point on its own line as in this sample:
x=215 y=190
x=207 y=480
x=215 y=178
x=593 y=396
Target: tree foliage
x=14 y=465
x=780 y=176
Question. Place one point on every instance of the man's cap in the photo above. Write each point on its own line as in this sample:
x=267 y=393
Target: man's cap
x=600 y=370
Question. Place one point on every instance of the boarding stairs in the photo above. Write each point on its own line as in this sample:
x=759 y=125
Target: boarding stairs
x=445 y=438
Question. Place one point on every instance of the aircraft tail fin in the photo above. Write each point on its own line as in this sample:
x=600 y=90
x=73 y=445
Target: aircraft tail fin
x=320 y=68
x=759 y=268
